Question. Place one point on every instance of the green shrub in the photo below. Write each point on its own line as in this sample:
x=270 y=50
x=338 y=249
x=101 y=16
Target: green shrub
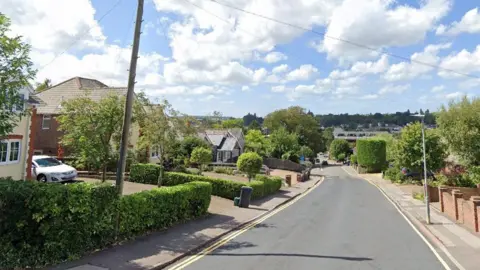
x=43 y=224
x=353 y=159
x=160 y=208
x=250 y=163
x=394 y=174
x=372 y=154
x=337 y=147
x=271 y=184
x=224 y=170
x=341 y=157
x=144 y=173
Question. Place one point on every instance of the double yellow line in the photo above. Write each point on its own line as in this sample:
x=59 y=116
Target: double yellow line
x=236 y=233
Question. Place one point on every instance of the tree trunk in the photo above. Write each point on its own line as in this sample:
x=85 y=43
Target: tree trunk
x=160 y=176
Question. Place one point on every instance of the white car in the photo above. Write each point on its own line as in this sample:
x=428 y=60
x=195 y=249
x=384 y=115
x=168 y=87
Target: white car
x=48 y=169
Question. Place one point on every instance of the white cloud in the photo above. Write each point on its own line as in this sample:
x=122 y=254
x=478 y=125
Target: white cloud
x=279 y=88
x=370 y=96
x=280 y=69
x=379 y=24
x=438 y=88
x=454 y=95
x=304 y=72
x=410 y=70
x=245 y=88
x=259 y=75
x=470 y=23
x=187 y=91
x=208 y=98
x=464 y=62
x=274 y=57
x=397 y=89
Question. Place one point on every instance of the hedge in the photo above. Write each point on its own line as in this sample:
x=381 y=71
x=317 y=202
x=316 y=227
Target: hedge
x=270 y=184
x=353 y=159
x=220 y=187
x=43 y=224
x=372 y=154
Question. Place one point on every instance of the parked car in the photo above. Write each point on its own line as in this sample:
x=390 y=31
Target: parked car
x=48 y=169
x=416 y=175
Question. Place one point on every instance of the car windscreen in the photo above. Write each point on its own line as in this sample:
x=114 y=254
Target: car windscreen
x=47 y=162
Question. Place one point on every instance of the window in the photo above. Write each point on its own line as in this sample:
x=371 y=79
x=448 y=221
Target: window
x=10 y=151
x=46 y=121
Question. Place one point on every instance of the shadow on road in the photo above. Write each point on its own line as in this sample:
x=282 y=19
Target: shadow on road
x=293 y=255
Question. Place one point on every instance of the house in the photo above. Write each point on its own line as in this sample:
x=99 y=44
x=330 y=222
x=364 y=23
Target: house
x=227 y=144
x=47 y=136
x=16 y=149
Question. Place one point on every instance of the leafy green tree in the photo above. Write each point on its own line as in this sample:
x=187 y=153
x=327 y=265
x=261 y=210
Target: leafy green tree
x=297 y=120
x=47 y=83
x=306 y=152
x=201 y=156
x=233 y=123
x=337 y=147
x=191 y=142
x=459 y=125
x=250 y=163
x=16 y=70
x=254 y=125
x=409 y=149
x=256 y=142
x=327 y=135
x=281 y=142
x=92 y=129
x=161 y=129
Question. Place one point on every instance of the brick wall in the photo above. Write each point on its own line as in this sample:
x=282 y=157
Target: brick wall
x=463 y=211
x=47 y=140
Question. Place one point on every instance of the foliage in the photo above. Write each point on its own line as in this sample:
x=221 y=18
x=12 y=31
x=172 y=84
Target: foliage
x=201 y=156
x=281 y=142
x=16 y=70
x=418 y=196
x=353 y=159
x=390 y=144
x=91 y=129
x=161 y=208
x=224 y=170
x=250 y=163
x=47 y=83
x=297 y=120
x=254 y=125
x=409 y=149
x=459 y=124
x=372 y=154
x=249 y=118
x=306 y=152
x=394 y=174
x=474 y=174
x=341 y=157
x=328 y=137
x=292 y=156
x=144 y=173
x=44 y=224
x=256 y=142
x=232 y=123
x=337 y=147
x=191 y=142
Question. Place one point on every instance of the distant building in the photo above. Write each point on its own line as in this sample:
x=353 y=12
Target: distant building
x=227 y=144
x=339 y=133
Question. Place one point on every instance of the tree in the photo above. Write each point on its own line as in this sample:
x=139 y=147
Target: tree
x=281 y=142
x=47 y=83
x=91 y=129
x=250 y=163
x=191 y=142
x=233 y=123
x=254 y=125
x=337 y=147
x=256 y=142
x=161 y=128
x=390 y=144
x=306 y=152
x=327 y=135
x=201 y=156
x=297 y=120
x=459 y=125
x=16 y=70
x=409 y=149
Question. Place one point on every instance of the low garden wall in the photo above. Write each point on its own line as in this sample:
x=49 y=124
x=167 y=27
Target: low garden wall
x=43 y=224
x=262 y=185
x=274 y=163
x=454 y=204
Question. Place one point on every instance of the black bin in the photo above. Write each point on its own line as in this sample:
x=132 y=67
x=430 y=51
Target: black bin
x=245 y=195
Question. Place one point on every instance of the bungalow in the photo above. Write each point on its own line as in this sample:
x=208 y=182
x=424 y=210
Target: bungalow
x=16 y=149
x=227 y=144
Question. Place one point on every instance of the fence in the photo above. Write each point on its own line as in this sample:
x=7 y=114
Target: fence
x=463 y=205
x=274 y=163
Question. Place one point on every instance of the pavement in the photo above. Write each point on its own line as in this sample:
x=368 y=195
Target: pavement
x=344 y=223
x=159 y=249
x=452 y=240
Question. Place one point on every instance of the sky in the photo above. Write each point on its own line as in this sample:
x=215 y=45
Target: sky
x=344 y=56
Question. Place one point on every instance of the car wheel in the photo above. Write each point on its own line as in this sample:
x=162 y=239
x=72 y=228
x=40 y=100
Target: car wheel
x=42 y=178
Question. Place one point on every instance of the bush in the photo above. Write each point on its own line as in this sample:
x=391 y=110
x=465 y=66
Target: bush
x=372 y=154
x=224 y=170
x=270 y=184
x=161 y=208
x=353 y=159
x=250 y=163
x=144 y=173
x=341 y=157
x=394 y=174
x=337 y=147
x=201 y=156
x=42 y=224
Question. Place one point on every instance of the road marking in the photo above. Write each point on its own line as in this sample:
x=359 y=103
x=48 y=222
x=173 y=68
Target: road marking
x=442 y=261
x=241 y=230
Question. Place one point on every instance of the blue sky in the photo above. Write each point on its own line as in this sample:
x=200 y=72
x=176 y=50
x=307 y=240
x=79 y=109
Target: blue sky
x=201 y=63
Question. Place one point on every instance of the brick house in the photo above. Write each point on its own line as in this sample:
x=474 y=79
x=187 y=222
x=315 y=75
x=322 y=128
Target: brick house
x=47 y=136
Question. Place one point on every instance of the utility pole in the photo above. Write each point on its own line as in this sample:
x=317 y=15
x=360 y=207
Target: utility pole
x=425 y=183
x=130 y=95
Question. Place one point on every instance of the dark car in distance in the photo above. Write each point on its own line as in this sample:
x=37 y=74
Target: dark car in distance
x=414 y=175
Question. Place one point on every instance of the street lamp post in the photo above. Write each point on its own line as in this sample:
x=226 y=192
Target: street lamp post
x=425 y=181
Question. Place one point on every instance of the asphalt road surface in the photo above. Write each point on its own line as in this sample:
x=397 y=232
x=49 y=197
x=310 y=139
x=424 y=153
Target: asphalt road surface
x=345 y=223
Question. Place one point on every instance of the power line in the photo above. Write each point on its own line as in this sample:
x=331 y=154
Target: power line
x=82 y=35
x=344 y=40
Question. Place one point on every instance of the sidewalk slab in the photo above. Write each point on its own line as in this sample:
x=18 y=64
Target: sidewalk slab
x=462 y=244
x=160 y=248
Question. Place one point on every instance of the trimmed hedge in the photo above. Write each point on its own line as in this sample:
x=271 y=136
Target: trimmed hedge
x=42 y=224
x=372 y=154
x=220 y=187
x=353 y=159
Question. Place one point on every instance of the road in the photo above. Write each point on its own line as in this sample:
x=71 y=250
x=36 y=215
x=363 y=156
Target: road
x=345 y=223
